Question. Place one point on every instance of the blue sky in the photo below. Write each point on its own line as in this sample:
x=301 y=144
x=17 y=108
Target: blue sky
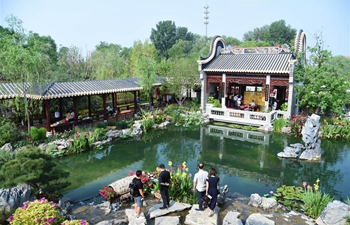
x=84 y=23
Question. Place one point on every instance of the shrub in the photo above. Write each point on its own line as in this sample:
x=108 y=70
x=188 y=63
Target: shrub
x=216 y=103
x=75 y=222
x=42 y=133
x=8 y=132
x=34 y=133
x=211 y=100
x=99 y=134
x=278 y=124
x=5 y=156
x=284 y=106
x=37 y=212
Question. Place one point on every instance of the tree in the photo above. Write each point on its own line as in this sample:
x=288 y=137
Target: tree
x=275 y=33
x=164 y=37
x=324 y=81
x=145 y=66
x=23 y=59
x=280 y=33
x=32 y=166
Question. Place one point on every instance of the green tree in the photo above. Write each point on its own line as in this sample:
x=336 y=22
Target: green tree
x=280 y=33
x=254 y=44
x=32 y=166
x=22 y=62
x=258 y=34
x=231 y=41
x=144 y=59
x=167 y=34
x=324 y=81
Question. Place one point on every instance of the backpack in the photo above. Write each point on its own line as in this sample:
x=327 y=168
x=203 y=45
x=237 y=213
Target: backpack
x=134 y=191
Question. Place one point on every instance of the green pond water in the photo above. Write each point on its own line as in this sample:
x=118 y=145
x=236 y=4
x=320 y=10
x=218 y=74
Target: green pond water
x=246 y=161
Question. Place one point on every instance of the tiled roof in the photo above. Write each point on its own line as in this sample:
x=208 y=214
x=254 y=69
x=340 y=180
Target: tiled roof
x=250 y=63
x=69 y=89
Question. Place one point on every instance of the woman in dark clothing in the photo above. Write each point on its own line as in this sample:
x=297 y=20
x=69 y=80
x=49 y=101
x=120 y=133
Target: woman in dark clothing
x=212 y=190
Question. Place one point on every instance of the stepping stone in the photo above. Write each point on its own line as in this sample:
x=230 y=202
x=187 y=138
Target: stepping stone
x=195 y=217
x=130 y=213
x=174 y=207
x=168 y=220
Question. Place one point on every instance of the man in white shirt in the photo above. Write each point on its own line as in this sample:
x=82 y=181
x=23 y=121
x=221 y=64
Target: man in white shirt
x=199 y=185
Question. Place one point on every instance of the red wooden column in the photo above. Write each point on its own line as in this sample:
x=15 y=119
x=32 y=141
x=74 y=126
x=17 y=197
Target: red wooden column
x=75 y=111
x=104 y=107
x=47 y=115
x=89 y=105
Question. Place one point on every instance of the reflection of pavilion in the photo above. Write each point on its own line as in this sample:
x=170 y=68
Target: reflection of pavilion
x=238 y=160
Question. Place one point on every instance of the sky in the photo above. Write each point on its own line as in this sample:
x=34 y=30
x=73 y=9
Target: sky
x=85 y=23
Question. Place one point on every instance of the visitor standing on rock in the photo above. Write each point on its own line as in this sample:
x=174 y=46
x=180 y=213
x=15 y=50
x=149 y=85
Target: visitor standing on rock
x=212 y=189
x=199 y=185
x=138 y=195
x=164 y=180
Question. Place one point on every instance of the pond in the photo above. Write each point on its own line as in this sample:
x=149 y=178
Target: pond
x=245 y=160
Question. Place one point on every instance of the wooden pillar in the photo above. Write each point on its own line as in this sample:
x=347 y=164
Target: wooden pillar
x=114 y=101
x=104 y=107
x=47 y=115
x=75 y=111
x=135 y=105
x=60 y=105
x=89 y=105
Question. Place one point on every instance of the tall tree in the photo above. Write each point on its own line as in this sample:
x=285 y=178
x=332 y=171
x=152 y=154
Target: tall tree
x=164 y=37
x=258 y=34
x=23 y=63
x=143 y=58
x=324 y=81
x=280 y=33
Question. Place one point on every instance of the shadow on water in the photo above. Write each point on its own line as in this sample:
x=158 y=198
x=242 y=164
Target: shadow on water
x=246 y=160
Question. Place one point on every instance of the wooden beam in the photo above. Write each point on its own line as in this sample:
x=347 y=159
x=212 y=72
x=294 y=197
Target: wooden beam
x=47 y=115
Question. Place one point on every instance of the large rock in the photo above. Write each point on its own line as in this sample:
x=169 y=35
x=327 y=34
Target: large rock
x=14 y=197
x=174 y=207
x=130 y=213
x=113 y=222
x=195 y=217
x=255 y=200
x=258 y=219
x=7 y=147
x=231 y=218
x=334 y=214
x=168 y=220
x=121 y=187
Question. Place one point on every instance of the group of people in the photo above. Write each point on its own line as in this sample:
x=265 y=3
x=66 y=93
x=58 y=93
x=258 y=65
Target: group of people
x=235 y=101
x=205 y=184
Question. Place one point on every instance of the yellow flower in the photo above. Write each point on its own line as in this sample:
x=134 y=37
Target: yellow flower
x=170 y=163
x=186 y=169
x=184 y=175
x=316 y=187
x=318 y=180
x=184 y=164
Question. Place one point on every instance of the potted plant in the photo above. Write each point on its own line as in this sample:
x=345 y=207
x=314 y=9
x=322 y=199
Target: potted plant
x=108 y=193
x=210 y=102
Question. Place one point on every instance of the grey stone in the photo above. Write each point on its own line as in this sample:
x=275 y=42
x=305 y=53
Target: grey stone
x=14 y=197
x=65 y=205
x=130 y=213
x=312 y=148
x=268 y=203
x=174 y=207
x=168 y=220
x=334 y=214
x=113 y=222
x=258 y=219
x=7 y=147
x=113 y=133
x=255 y=200
x=286 y=130
x=195 y=217
x=231 y=218
x=126 y=131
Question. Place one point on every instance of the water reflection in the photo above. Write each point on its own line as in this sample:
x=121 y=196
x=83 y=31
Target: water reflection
x=246 y=160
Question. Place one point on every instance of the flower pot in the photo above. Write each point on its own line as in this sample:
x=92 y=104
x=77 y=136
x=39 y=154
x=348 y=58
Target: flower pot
x=157 y=195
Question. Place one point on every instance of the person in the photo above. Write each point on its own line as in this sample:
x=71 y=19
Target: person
x=274 y=106
x=235 y=98
x=138 y=101
x=68 y=115
x=139 y=195
x=72 y=114
x=212 y=190
x=110 y=110
x=164 y=180
x=57 y=115
x=239 y=102
x=199 y=184
x=252 y=103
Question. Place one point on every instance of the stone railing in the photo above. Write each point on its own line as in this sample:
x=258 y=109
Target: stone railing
x=243 y=117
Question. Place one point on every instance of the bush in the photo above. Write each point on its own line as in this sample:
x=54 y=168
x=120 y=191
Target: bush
x=216 y=103
x=42 y=133
x=99 y=134
x=211 y=100
x=37 y=212
x=8 y=132
x=75 y=222
x=38 y=134
x=278 y=124
x=5 y=156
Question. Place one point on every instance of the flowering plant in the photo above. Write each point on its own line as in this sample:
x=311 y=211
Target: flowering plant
x=314 y=201
x=108 y=193
x=75 y=222
x=40 y=211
